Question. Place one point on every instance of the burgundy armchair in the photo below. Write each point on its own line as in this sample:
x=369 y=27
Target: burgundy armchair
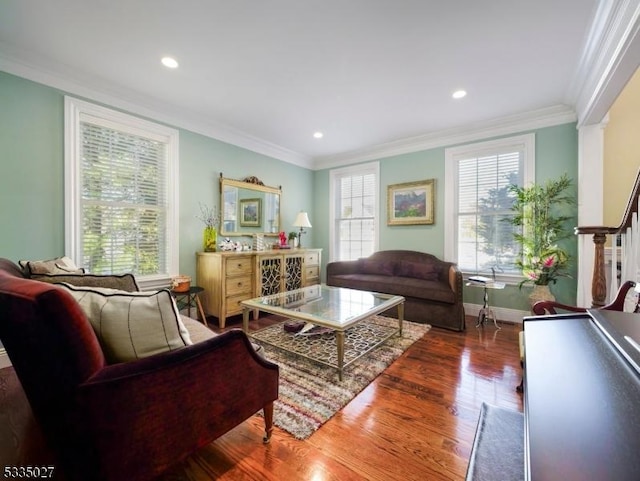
x=129 y=420
x=542 y=308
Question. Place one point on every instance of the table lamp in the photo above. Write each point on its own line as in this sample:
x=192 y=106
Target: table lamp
x=302 y=221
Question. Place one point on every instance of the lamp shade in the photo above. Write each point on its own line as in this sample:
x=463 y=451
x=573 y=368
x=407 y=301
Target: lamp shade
x=302 y=220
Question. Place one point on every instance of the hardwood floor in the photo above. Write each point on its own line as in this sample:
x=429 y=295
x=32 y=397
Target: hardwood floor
x=416 y=421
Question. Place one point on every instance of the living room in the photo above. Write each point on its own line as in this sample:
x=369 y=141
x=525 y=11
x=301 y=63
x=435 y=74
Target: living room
x=32 y=141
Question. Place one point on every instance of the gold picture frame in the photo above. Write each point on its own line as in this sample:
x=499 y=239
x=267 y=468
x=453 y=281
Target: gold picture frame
x=411 y=203
x=250 y=212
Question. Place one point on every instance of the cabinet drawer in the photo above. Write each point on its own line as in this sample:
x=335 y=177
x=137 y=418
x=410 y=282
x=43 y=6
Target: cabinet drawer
x=238 y=285
x=312 y=272
x=233 y=304
x=238 y=266
x=312 y=258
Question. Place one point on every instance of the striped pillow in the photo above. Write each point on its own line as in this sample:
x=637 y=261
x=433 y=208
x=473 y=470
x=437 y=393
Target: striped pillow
x=132 y=325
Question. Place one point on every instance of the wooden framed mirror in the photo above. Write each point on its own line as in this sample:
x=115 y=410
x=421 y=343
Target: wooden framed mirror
x=249 y=207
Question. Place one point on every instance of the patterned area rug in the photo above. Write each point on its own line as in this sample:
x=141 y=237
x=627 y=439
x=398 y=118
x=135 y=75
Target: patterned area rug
x=310 y=392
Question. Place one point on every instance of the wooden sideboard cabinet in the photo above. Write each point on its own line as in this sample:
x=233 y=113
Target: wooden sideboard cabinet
x=311 y=266
x=231 y=277
x=227 y=279
x=278 y=271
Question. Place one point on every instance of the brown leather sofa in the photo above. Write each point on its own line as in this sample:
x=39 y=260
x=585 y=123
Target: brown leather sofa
x=432 y=288
x=130 y=420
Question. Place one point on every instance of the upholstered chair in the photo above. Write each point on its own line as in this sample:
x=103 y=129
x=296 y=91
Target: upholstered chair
x=126 y=420
x=542 y=308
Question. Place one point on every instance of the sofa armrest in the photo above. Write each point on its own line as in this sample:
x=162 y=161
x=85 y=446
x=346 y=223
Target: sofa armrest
x=455 y=280
x=187 y=397
x=342 y=267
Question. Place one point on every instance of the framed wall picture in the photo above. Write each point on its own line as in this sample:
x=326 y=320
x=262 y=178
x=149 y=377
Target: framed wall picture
x=250 y=211
x=411 y=203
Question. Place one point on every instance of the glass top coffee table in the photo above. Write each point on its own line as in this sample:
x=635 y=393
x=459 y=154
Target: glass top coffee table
x=335 y=308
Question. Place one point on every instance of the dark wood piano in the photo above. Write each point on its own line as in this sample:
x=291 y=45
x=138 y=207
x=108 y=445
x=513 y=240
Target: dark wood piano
x=582 y=397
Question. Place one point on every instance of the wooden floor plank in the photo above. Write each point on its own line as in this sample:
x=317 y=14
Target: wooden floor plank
x=416 y=421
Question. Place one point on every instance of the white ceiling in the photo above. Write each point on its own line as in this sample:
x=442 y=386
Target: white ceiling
x=272 y=72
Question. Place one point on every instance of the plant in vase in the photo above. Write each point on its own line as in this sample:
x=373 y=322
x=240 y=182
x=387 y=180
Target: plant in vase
x=540 y=213
x=293 y=239
x=211 y=218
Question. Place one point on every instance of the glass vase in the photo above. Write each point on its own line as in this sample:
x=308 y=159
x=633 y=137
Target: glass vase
x=210 y=239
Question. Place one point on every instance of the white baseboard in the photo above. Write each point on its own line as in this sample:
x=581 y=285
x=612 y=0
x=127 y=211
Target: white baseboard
x=502 y=313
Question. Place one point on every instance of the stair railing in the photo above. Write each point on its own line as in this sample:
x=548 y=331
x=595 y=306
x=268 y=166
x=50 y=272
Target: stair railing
x=627 y=236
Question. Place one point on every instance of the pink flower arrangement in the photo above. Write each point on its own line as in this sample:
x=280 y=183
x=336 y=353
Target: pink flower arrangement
x=545 y=269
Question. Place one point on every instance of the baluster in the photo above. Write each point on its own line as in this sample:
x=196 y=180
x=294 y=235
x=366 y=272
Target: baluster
x=630 y=255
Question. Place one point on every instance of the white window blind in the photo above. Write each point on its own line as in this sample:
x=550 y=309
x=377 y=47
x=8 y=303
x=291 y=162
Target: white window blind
x=355 y=212
x=122 y=193
x=485 y=237
x=478 y=234
x=124 y=202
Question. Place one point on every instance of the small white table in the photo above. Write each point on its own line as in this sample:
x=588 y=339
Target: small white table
x=486 y=313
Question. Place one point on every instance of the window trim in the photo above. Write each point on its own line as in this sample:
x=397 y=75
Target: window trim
x=452 y=154
x=334 y=174
x=77 y=110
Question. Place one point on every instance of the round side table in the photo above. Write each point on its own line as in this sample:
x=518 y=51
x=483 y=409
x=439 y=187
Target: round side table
x=190 y=298
x=486 y=314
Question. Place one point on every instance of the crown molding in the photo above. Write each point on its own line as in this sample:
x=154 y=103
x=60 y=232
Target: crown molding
x=176 y=117
x=610 y=57
x=145 y=107
x=546 y=117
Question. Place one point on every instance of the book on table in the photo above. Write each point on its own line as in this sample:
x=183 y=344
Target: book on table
x=486 y=282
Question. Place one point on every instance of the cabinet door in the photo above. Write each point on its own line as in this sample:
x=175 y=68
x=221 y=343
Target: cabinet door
x=270 y=273
x=293 y=272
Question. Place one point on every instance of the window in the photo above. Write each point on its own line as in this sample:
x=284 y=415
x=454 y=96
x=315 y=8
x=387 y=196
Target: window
x=478 y=236
x=121 y=193
x=354 y=211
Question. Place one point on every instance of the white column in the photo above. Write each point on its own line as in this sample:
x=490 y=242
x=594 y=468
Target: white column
x=590 y=201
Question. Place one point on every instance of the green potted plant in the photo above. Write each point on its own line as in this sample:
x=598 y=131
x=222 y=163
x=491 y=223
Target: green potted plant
x=293 y=239
x=540 y=215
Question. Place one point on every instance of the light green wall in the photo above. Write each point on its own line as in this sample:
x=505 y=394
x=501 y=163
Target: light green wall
x=202 y=159
x=556 y=152
x=32 y=176
x=32 y=185
x=31 y=170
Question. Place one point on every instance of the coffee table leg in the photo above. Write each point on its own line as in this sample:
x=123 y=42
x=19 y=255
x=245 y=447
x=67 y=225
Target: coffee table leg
x=245 y=320
x=340 y=341
x=400 y=317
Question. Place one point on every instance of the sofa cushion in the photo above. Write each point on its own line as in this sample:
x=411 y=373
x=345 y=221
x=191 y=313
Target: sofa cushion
x=198 y=333
x=124 y=282
x=398 y=286
x=418 y=270
x=132 y=325
x=59 y=265
x=383 y=268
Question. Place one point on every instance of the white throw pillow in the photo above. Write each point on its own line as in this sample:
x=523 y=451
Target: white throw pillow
x=132 y=325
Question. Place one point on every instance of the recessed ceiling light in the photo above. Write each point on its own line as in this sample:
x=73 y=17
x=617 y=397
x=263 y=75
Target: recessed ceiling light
x=318 y=135
x=169 y=62
x=458 y=94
